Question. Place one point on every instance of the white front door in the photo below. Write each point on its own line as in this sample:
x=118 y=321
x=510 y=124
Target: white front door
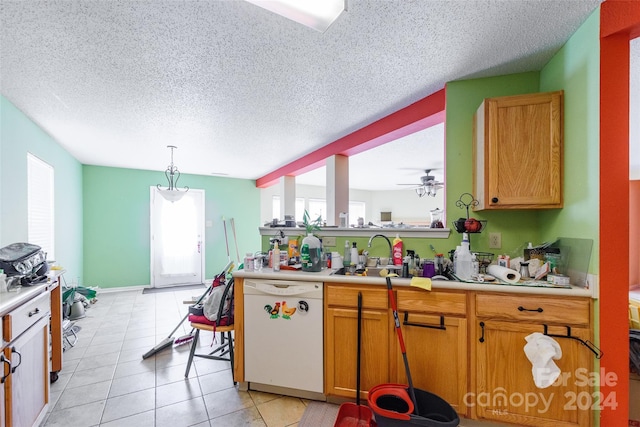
x=177 y=239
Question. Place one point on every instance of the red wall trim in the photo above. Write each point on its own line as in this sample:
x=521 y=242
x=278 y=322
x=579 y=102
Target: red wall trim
x=618 y=21
x=420 y=115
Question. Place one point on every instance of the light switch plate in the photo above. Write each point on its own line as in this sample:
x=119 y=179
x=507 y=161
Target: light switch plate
x=328 y=241
x=495 y=240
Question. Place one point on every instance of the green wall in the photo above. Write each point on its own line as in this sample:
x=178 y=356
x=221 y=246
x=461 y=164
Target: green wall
x=576 y=69
x=19 y=135
x=117 y=229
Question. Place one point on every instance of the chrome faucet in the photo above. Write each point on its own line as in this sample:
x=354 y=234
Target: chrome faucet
x=390 y=262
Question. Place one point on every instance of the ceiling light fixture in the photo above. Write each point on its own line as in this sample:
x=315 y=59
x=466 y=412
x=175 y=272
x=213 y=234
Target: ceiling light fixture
x=316 y=14
x=172 y=173
x=427 y=190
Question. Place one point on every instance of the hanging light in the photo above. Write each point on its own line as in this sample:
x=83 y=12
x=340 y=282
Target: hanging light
x=427 y=190
x=172 y=193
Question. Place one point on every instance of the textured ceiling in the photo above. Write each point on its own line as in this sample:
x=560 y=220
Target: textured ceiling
x=242 y=91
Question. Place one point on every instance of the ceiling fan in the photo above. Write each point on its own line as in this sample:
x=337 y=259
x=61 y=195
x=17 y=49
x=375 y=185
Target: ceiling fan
x=428 y=185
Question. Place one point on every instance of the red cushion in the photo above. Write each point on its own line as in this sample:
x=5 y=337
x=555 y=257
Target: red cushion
x=202 y=319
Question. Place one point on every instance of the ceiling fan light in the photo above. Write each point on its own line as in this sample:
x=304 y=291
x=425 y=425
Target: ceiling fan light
x=421 y=191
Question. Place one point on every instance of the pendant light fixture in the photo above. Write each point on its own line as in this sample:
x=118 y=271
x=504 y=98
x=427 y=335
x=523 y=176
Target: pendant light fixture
x=172 y=193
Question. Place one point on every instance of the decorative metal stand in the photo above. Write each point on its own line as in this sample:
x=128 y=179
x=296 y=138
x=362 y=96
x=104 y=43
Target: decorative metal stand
x=465 y=201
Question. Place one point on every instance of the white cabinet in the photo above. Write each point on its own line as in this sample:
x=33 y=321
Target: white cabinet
x=26 y=369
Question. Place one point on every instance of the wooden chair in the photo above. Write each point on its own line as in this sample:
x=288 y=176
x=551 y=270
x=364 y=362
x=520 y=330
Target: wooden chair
x=226 y=338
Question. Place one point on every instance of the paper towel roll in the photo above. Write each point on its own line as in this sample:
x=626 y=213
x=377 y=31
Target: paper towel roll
x=503 y=273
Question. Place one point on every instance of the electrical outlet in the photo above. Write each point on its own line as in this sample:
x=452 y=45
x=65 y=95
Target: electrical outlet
x=495 y=240
x=328 y=241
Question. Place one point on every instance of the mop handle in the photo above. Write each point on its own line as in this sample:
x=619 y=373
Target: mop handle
x=394 y=308
x=226 y=239
x=235 y=239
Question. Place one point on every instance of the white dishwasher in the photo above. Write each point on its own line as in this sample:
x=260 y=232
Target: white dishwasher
x=283 y=339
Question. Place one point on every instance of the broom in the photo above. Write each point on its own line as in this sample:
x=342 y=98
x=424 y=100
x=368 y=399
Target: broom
x=169 y=340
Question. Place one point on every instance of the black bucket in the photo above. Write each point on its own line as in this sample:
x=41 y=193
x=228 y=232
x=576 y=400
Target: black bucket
x=393 y=407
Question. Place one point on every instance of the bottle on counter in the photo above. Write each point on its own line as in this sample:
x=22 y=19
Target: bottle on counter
x=311 y=254
x=397 y=250
x=276 y=256
x=354 y=253
x=3 y=281
x=248 y=262
x=347 y=254
x=464 y=259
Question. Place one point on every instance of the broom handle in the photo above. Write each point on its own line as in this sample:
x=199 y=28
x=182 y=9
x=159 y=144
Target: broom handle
x=412 y=392
x=226 y=239
x=359 y=348
x=235 y=239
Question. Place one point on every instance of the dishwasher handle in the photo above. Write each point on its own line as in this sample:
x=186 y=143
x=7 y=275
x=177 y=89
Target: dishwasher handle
x=284 y=289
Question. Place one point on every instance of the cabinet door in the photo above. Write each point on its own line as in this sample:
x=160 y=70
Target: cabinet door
x=505 y=388
x=341 y=350
x=437 y=356
x=29 y=382
x=519 y=152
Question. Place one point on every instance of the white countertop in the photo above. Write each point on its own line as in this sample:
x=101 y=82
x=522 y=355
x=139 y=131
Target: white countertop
x=18 y=296
x=325 y=276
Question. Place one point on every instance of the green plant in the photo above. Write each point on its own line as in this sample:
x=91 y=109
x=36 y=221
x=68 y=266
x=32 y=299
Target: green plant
x=311 y=225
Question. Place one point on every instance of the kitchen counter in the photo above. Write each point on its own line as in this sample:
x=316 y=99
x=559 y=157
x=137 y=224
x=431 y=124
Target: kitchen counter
x=326 y=276
x=16 y=297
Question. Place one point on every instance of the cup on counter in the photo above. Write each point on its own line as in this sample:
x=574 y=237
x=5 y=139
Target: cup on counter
x=428 y=269
x=336 y=261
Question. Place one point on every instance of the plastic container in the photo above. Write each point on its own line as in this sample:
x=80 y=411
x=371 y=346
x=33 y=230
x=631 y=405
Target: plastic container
x=464 y=261
x=311 y=254
x=248 y=262
x=393 y=408
x=276 y=256
x=354 y=253
x=397 y=250
x=3 y=281
x=346 y=260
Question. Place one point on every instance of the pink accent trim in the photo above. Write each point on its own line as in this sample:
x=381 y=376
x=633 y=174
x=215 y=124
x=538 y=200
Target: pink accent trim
x=420 y=115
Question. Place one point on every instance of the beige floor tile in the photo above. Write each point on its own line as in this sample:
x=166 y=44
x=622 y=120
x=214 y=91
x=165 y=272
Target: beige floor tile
x=227 y=401
x=281 y=412
x=243 y=418
x=259 y=397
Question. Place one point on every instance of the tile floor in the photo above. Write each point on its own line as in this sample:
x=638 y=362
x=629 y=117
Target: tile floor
x=105 y=381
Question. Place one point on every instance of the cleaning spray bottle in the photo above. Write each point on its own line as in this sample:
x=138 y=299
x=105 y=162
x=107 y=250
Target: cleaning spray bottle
x=397 y=250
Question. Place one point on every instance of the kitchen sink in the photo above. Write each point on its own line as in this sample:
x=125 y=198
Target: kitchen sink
x=370 y=271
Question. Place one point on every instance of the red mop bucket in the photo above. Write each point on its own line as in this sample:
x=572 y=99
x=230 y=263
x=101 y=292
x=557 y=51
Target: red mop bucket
x=396 y=405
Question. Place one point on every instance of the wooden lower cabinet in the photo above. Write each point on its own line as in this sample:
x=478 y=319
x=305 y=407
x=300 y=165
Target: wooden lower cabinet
x=437 y=357
x=466 y=347
x=505 y=390
x=434 y=327
x=341 y=340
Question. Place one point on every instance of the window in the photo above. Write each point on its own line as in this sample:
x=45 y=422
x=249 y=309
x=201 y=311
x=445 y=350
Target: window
x=317 y=208
x=40 y=212
x=357 y=210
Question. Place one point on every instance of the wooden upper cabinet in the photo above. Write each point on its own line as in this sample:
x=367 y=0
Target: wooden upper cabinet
x=517 y=152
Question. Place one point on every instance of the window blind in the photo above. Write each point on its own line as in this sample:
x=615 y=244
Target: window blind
x=40 y=208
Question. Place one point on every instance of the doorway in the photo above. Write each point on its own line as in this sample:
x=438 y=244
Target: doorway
x=177 y=239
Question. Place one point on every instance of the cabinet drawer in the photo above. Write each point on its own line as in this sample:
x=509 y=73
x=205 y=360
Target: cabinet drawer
x=23 y=317
x=347 y=296
x=561 y=310
x=432 y=302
